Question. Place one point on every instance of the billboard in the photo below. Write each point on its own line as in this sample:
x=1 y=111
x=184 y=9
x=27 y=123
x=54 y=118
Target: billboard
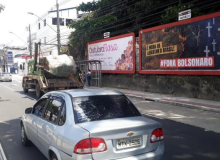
x=116 y=53
x=10 y=58
x=188 y=47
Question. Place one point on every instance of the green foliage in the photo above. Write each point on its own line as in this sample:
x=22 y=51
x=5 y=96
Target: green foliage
x=85 y=27
x=2 y=8
x=63 y=49
x=123 y=16
x=91 y=6
x=171 y=14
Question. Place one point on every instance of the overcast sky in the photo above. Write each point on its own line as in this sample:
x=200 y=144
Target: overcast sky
x=15 y=18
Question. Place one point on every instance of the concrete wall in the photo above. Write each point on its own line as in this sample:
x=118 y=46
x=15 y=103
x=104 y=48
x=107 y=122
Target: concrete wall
x=203 y=87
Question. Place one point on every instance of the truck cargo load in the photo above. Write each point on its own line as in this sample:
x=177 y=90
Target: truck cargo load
x=51 y=73
x=60 y=66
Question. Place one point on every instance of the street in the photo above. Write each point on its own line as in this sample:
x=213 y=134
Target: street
x=189 y=133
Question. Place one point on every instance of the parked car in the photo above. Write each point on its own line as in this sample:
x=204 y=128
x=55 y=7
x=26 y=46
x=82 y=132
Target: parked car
x=4 y=76
x=85 y=124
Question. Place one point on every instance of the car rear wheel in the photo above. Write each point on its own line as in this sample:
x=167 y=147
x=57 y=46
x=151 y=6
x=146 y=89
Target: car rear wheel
x=54 y=157
x=24 y=140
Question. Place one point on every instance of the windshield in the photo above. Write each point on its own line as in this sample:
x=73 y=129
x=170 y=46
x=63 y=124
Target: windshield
x=95 y=108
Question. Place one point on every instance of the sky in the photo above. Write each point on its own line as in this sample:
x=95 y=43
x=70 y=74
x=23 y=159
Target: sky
x=15 y=19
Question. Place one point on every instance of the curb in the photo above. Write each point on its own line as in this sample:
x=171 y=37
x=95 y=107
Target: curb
x=204 y=108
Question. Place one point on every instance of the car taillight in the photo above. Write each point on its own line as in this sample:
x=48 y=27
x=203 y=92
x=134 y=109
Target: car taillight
x=10 y=75
x=157 y=135
x=90 y=145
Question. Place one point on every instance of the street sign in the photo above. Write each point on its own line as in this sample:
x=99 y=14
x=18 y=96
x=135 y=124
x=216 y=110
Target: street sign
x=10 y=58
x=106 y=34
x=185 y=15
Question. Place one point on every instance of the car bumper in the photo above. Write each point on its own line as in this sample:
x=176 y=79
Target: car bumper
x=155 y=155
x=6 y=79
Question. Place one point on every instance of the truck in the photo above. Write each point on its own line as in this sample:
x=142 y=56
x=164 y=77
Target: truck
x=50 y=73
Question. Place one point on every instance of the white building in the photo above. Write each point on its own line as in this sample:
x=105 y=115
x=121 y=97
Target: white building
x=45 y=29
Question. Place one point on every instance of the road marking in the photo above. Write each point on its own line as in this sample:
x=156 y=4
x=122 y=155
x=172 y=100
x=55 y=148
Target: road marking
x=17 y=81
x=30 y=97
x=7 y=87
x=14 y=90
x=2 y=154
x=15 y=84
x=152 y=116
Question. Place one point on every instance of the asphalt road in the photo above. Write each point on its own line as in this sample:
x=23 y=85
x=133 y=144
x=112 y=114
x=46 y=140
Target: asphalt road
x=188 y=136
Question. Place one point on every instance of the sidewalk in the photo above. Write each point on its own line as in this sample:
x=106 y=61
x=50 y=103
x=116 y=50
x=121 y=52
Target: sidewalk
x=194 y=103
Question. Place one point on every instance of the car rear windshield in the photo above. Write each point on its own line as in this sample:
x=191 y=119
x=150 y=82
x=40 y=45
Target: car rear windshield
x=103 y=107
x=5 y=73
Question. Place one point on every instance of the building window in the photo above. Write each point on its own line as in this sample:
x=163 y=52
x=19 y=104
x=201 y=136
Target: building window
x=68 y=21
x=62 y=21
x=45 y=22
x=38 y=25
x=45 y=40
x=54 y=21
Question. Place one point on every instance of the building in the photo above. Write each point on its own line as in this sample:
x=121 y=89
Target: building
x=11 y=59
x=45 y=29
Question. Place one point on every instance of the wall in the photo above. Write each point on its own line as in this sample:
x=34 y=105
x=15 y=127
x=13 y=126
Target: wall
x=203 y=87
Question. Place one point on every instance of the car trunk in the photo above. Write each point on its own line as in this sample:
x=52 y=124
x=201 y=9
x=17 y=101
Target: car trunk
x=118 y=136
x=6 y=76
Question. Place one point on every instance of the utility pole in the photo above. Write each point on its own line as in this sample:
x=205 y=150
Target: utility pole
x=6 y=59
x=35 y=57
x=30 y=42
x=58 y=29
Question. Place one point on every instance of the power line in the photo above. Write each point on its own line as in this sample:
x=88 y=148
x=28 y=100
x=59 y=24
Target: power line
x=137 y=19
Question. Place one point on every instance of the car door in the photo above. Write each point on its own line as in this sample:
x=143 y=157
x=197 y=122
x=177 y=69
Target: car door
x=32 y=120
x=48 y=124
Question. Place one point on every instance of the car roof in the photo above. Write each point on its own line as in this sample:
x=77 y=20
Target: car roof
x=90 y=92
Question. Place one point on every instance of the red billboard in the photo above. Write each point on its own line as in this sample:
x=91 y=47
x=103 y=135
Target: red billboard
x=188 y=47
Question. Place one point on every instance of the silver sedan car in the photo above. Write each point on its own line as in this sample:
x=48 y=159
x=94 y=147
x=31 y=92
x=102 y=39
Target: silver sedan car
x=5 y=77
x=91 y=125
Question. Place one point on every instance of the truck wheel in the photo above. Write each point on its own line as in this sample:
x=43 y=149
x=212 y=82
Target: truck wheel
x=39 y=93
x=25 y=90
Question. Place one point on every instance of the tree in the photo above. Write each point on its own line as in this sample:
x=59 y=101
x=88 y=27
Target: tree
x=1 y=7
x=123 y=16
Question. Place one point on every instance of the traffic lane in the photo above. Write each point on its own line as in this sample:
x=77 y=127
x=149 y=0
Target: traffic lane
x=17 y=87
x=174 y=142
x=187 y=142
x=11 y=143
x=12 y=106
x=198 y=118
x=13 y=103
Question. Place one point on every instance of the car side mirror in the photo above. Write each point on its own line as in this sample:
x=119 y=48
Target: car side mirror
x=28 y=110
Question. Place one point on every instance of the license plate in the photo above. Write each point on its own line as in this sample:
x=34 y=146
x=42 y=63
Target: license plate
x=128 y=142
